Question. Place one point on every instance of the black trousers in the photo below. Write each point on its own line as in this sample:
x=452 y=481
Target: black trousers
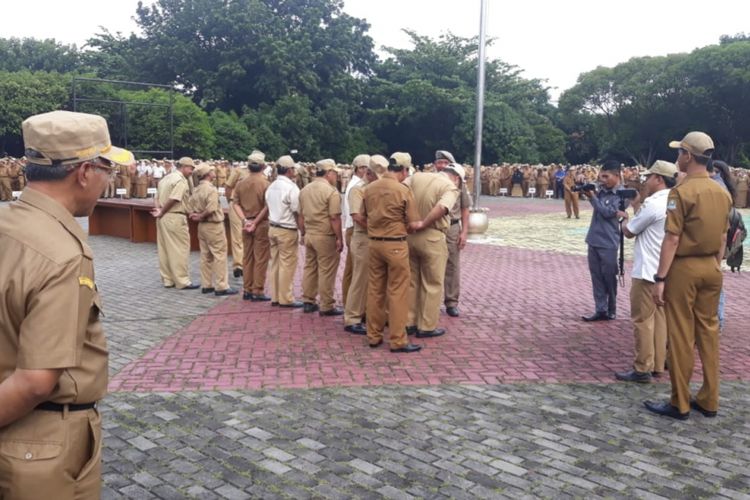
x=603 y=269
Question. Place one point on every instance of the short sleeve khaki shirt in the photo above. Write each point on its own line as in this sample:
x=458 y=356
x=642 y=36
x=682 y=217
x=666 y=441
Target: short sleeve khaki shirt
x=389 y=207
x=174 y=186
x=698 y=212
x=250 y=193
x=206 y=198
x=431 y=189
x=318 y=203
x=49 y=315
x=356 y=199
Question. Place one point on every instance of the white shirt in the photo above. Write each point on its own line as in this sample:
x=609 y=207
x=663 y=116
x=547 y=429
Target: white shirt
x=282 y=199
x=159 y=172
x=348 y=221
x=144 y=169
x=648 y=228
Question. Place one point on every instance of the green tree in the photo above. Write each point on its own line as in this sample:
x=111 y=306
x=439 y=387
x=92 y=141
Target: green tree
x=232 y=139
x=28 y=54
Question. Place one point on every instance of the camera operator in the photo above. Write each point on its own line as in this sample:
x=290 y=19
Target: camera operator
x=603 y=241
x=647 y=227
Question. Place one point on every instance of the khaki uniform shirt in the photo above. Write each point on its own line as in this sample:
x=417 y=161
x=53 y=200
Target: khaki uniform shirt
x=430 y=190
x=698 y=211
x=4 y=170
x=389 y=206
x=250 y=193
x=236 y=175
x=318 y=202
x=464 y=201
x=174 y=186
x=206 y=198
x=356 y=199
x=49 y=312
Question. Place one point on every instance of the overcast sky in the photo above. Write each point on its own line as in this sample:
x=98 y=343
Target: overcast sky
x=554 y=40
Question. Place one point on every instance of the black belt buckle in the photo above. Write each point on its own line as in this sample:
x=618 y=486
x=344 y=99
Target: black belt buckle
x=50 y=406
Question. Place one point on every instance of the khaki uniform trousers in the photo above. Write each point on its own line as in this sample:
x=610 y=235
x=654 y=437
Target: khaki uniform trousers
x=256 y=252
x=173 y=244
x=346 y=282
x=453 y=266
x=235 y=235
x=388 y=286
x=354 y=309
x=321 y=264
x=213 y=245
x=571 y=203
x=691 y=294
x=141 y=185
x=126 y=185
x=49 y=454
x=6 y=192
x=428 y=255
x=284 y=252
x=649 y=328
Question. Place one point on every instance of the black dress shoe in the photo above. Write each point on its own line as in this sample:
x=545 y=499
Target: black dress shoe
x=706 y=413
x=376 y=344
x=408 y=348
x=634 y=376
x=597 y=316
x=260 y=298
x=228 y=291
x=336 y=311
x=666 y=409
x=411 y=330
x=452 y=312
x=357 y=329
x=207 y=290
x=657 y=374
x=295 y=304
x=237 y=273
x=247 y=296
x=611 y=316
x=274 y=304
x=426 y=334
x=191 y=286
x=309 y=307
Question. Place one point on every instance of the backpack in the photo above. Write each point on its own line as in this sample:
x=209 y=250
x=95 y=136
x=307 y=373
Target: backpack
x=735 y=236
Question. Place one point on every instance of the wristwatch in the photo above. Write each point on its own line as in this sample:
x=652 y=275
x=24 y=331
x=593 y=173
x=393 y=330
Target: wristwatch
x=659 y=279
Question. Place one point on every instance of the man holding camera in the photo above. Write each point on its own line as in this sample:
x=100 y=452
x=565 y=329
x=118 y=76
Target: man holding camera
x=688 y=279
x=603 y=239
x=647 y=227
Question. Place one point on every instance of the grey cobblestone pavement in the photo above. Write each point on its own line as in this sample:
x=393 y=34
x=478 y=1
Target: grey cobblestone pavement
x=490 y=441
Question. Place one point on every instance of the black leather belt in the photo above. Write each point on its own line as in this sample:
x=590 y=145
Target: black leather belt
x=455 y=221
x=399 y=238
x=50 y=406
x=273 y=224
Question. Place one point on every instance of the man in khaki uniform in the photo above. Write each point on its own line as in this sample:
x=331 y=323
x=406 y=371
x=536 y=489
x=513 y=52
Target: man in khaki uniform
x=207 y=212
x=320 y=206
x=282 y=200
x=172 y=233
x=53 y=353
x=689 y=279
x=356 y=302
x=455 y=238
x=249 y=197
x=6 y=192
x=571 y=197
x=124 y=180
x=16 y=172
x=390 y=212
x=221 y=174
x=359 y=168
x=434 y=196
x=238 y=173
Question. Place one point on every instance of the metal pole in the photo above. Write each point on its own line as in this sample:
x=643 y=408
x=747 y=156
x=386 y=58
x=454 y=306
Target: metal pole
x=480 y=104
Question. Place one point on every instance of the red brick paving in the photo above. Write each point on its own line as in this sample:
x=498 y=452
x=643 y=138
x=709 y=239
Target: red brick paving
x=520 y=323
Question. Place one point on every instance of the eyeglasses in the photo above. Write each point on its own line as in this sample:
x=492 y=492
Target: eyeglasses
x=107 y=167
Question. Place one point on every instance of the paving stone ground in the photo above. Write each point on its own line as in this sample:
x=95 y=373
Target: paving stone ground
x=218 y=398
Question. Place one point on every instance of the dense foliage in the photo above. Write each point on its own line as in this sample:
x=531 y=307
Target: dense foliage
x=302 y=74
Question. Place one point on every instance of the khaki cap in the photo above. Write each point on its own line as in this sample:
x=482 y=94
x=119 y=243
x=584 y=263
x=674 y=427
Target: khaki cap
x=185 y=161
x=256 y=157
x=402 y=159
x=457 y=169
x=696 y=143
x=326 y=165
x=378 y=164
x=67 y=137
x=441 y=154
x=361 y=161
x=203 y=168
x=285 y=161
x=661 y=167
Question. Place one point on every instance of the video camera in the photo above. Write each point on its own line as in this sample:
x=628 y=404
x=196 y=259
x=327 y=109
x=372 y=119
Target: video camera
x=579 y=188
x=624 y=193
